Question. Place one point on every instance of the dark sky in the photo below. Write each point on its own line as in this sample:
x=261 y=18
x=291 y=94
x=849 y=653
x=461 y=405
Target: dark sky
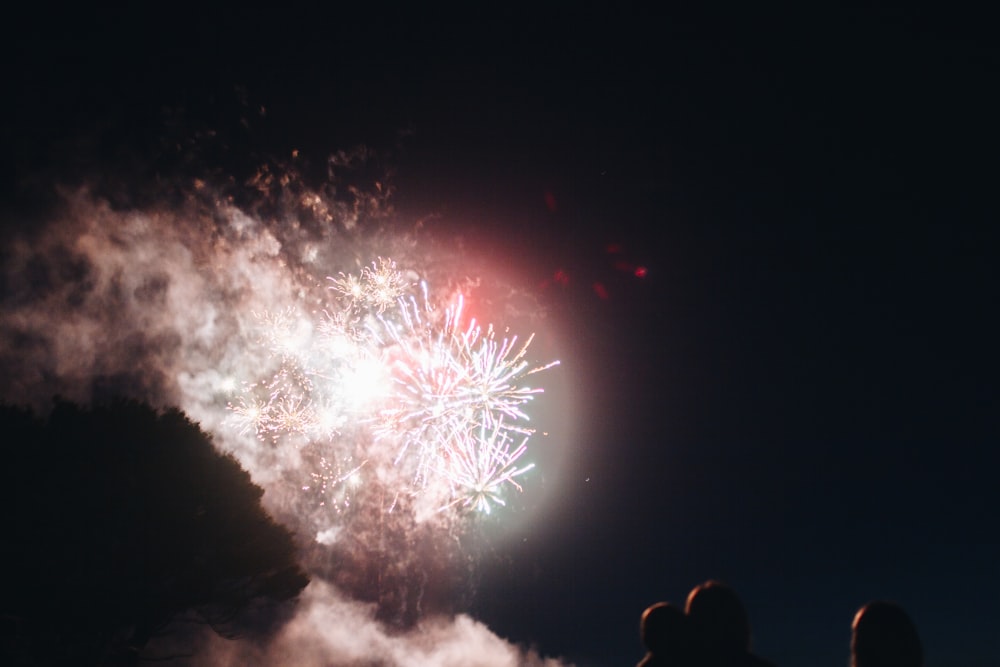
x=799 y=397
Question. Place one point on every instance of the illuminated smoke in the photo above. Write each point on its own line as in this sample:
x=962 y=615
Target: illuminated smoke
x=210 y=305
x=331 y=630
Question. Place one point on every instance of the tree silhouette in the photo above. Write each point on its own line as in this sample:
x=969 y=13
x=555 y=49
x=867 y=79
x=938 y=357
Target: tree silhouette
x=118 y=519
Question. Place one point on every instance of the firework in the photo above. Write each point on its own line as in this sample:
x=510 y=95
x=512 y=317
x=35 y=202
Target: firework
x=378 y=287
x=333 y=481
x=480 y=465
x=436 y=405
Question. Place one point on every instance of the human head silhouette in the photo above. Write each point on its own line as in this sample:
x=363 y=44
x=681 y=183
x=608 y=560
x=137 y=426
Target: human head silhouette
x=663 y=628
x=882 y=635
x=718 y=618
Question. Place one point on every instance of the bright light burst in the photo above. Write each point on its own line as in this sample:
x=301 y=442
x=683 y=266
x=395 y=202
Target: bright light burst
x=481 y=464
x=433 y=407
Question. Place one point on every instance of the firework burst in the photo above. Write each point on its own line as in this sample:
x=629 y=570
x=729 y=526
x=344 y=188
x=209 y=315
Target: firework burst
x=437 y=405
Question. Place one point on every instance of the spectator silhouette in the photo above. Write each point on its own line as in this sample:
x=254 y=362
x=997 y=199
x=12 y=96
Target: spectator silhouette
x=882 y=635
x=721 y=630
x=666 y=636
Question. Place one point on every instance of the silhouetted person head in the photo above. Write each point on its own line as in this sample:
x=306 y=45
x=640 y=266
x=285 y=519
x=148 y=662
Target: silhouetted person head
x=664 y=631
x=719 y=619
x=882 y=635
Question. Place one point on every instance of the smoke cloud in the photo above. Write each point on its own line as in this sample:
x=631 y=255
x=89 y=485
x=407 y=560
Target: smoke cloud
x=162 y=302
x=329 y=629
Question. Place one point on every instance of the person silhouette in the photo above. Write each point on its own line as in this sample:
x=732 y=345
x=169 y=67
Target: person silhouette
x=665 y=634
x=721 y=629
x=883 y=635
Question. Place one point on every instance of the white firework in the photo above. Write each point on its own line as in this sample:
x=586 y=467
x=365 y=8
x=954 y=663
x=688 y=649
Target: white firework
x=438 y=404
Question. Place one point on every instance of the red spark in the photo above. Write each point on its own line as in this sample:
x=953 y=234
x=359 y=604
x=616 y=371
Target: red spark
x=550 y=201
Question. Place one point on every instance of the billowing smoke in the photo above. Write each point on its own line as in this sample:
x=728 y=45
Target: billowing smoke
x=330 y=629
x=164 y=302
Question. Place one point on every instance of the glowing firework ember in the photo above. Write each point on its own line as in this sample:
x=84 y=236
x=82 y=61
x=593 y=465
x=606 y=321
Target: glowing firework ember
x=429 y=405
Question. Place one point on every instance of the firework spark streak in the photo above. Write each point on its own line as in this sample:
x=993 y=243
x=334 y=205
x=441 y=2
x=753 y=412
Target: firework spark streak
x=385 y=367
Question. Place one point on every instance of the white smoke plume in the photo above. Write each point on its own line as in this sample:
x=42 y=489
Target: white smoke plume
x=329 y=629
x=161 y=302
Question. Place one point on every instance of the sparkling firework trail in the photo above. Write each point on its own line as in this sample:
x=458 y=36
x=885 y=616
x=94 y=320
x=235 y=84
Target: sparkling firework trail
x=383 y=367
x=480 y=465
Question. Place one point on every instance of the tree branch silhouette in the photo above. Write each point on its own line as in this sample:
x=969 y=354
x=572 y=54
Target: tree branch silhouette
x=120 y=518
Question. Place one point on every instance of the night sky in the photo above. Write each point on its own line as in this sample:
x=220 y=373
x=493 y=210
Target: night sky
x=767 y=241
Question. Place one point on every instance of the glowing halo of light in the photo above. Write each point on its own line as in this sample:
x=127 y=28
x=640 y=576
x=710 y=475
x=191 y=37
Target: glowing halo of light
x=447 y=395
